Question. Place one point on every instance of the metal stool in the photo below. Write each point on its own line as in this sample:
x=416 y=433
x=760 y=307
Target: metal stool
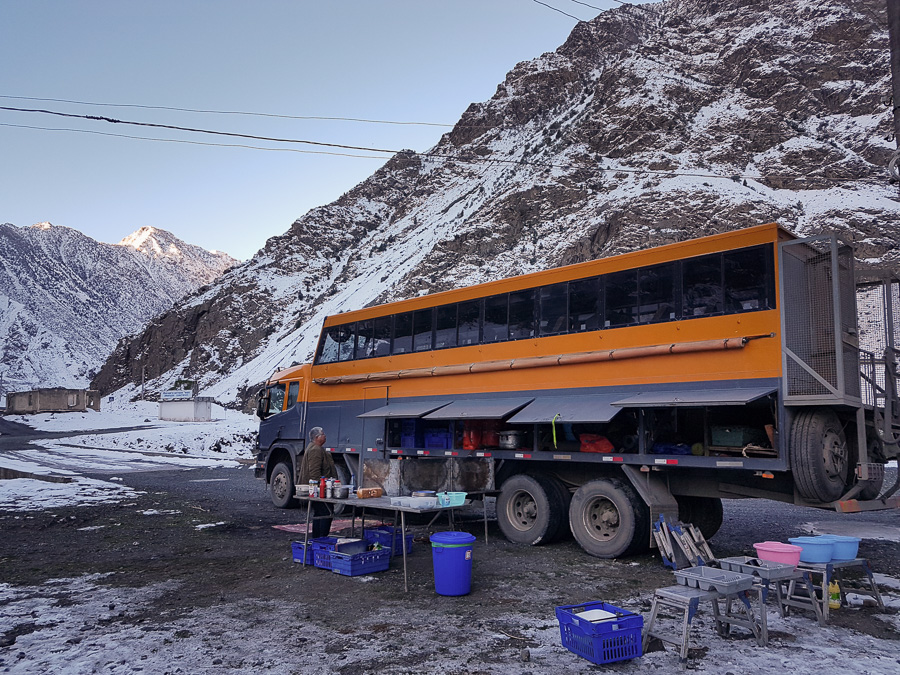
x=686 y=600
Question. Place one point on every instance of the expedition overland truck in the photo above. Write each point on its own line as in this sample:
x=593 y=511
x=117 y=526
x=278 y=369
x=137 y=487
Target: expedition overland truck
x=600 y=395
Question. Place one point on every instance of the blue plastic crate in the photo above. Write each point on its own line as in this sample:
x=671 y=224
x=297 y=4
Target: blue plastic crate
x=384 y=535
x=297 y=550
x=437 y=440
x=617 y=638
x=322 y=549
x=360 y=563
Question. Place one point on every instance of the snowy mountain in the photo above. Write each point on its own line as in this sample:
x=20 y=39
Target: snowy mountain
x=651 y=124
x=66 y=299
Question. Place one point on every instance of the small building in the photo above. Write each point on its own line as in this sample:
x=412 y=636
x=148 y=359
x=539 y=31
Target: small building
x=183 y=405
x=56 y=399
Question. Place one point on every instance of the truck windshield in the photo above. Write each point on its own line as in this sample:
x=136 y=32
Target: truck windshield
x=276 y=398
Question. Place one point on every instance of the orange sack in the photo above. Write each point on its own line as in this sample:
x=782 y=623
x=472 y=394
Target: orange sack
x=595 y=443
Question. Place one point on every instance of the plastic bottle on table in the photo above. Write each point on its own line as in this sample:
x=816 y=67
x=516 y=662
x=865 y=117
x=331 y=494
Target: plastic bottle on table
x=322 y=487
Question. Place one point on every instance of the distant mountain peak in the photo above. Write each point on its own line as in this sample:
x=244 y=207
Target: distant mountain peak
x=66 y=299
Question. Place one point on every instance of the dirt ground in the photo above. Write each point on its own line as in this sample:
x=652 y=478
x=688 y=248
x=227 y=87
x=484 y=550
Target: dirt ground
x=185 y=581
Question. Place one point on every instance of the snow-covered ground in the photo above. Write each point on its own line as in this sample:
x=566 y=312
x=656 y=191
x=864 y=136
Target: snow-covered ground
x=151 y=445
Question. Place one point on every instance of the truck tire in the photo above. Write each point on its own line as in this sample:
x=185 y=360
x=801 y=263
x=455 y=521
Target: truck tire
x=820 y=456
x=609 y=519
x=530 y=510
x=281 y=485
x=875 y=453
x=704 y=513
x=565 y=498
x=343 y=475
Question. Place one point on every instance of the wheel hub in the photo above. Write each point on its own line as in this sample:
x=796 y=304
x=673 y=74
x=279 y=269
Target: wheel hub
x=835 y=455
x=279 y=486
x=602 y=518
x=522 y=511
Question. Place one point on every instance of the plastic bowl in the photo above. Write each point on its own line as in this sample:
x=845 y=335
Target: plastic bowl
x=776 y=551
x=815 y=549
x=845 y=548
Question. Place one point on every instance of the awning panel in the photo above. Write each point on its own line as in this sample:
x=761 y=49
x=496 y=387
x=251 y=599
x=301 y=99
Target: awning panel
x=405 y=409
x=574 y=408
x=694 y=397
x=479 y=409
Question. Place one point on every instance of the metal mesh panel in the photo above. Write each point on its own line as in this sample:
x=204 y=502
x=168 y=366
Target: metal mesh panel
x=850 y=347
x=873 y=337
x=809 y=318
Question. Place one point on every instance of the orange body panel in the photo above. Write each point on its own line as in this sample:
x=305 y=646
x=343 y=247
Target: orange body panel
x=760 y=358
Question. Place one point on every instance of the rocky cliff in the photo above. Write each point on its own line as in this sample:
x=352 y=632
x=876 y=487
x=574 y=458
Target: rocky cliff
x=651 y=124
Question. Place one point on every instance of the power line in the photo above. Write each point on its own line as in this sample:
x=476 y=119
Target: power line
x=173 y=127
x=479 y=160
x=187 y=142
x=228 y=112
x=556 y=9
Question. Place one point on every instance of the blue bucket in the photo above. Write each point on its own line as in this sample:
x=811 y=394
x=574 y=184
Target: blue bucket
x=452 y=555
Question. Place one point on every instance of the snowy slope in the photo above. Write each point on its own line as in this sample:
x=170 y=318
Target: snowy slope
x=66 y=300
x=651 y=124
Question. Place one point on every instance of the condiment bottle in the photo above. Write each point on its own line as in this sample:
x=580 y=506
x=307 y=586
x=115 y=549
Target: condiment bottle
x=322 y=487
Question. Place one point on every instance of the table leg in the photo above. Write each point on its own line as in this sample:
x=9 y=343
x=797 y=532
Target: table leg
x=306 y=533
x=403 y=539
x=484 y=506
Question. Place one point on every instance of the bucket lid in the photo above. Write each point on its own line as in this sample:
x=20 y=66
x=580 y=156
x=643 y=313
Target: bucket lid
x=452 y=538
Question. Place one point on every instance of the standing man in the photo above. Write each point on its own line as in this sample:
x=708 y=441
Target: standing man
x=315 y=464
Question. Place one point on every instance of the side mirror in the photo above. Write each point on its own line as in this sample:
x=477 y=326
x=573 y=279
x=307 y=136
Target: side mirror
x=262 y=406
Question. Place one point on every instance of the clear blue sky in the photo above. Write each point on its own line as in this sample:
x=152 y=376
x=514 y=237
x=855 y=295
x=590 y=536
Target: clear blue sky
x=401 y=60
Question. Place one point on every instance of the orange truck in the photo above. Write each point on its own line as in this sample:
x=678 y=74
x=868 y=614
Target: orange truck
x=597 y=396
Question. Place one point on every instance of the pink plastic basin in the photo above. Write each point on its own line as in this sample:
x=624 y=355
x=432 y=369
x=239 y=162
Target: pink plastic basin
x=775 y=551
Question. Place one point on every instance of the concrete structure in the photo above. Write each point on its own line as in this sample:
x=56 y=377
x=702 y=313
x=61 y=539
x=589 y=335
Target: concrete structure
x=197 y=409
x=52 y=400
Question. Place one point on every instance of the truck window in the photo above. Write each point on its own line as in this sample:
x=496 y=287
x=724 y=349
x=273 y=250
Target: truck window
x=496 y=318
x=702 y=277
x=469 y=322
x=521 y=314
x=657 y=293
x=745 y=280
x=382 y=336
x=445 y=327
x=403 y=326
x=293 y=392
x=422 y=335
x=621 y=298
x=583 y=305
x=276 y=398
x=554 y=309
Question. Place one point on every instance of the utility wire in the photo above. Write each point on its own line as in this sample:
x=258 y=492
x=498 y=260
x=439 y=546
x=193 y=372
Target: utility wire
x=228 y=112
x=187 y=142
x=459 y=125
x=556 y=9
x=481 y=160
x=113 y=120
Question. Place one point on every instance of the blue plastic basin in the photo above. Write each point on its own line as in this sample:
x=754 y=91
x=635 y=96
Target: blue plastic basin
x=814 y=549
x=844 y=548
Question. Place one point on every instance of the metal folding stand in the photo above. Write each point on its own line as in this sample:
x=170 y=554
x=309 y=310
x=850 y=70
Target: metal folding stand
x=687 y=601
x=825 y=573
x=799 y=591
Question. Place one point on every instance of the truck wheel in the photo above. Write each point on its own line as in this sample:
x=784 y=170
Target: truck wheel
x=565 y=498
x=876 y=453
x=704 y=513
x=819 y=455
x=609 y=519
x=530 y=510
x=343 y=476
x=282 y=486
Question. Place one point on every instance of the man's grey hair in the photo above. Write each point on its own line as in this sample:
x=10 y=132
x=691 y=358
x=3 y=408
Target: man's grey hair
x=315 y=432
